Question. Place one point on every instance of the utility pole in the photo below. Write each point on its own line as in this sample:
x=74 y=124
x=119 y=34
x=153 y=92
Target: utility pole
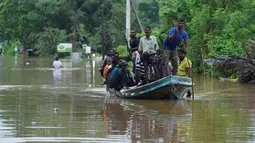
x=128 y=25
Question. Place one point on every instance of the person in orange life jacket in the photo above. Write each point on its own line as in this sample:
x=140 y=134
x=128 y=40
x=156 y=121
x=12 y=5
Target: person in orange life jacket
x=111 y=54
x=107 y=67
x=119 y=77
x=115 y=61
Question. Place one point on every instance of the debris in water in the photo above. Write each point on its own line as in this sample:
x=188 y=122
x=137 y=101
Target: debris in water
x=55 y=109
x=33 y=123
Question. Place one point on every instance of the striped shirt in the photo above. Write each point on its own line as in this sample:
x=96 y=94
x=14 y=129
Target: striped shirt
x=139 y=64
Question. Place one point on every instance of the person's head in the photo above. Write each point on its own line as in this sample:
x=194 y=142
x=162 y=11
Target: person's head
x=56 y=58
x=132 y=33
x=111 y=53
x=121 y=59
x=124 y=65
x=181 y=54
x=116 y=56
x=109 y=61
x=148 y=31
x=181 y=24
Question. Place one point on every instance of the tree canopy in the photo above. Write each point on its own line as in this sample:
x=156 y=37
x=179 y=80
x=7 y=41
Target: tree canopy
x=215 y=28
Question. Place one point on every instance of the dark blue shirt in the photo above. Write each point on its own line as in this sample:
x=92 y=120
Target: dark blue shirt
x=171 y=44
x=134 y=44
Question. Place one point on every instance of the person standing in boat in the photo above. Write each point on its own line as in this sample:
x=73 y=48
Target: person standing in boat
x=184 y=67
x=148 y=47
x=139 y=68
x=174 y=37
x=134 y=44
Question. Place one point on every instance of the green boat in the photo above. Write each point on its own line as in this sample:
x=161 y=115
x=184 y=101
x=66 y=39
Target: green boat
x=171 y=87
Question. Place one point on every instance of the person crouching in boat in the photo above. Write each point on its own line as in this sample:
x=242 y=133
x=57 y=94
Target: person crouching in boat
x=115 y=61
x=110 y=54
x=184 y=66
x=118 y=78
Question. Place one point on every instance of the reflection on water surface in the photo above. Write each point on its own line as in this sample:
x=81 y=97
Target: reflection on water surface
x=40 y=104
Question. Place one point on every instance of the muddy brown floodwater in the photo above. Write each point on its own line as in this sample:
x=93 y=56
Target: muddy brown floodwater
x=39 y=104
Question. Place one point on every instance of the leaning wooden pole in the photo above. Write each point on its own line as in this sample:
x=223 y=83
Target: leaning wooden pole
x=137 y=18
x=211 y=44
x=192 y=82
x=193 y=92
x=203 y=62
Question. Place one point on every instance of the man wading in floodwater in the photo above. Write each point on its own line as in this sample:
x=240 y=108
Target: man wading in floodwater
x=175 y=35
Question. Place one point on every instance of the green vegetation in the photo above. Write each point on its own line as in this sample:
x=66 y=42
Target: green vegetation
x=215 y=28
x=122 y=50
x=9 y=46
x=48 y=40
x=27 y=20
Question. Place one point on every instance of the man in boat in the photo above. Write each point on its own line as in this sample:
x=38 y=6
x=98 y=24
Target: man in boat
x=118 y=78
x=106 y=68
x=111 y=54
x=139 y=68
x=174 y=37
x=134 y=44
x=148 y=48
x=184 y=67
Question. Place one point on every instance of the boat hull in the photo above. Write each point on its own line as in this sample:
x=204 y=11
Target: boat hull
x=171 y=87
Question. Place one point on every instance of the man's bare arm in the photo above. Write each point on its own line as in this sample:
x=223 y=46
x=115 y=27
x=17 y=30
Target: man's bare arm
x=171 y=37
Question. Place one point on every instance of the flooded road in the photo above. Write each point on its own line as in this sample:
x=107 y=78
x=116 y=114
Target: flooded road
x=40 y=104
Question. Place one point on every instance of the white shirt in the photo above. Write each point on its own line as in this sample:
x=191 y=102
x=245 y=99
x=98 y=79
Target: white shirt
x=148 y=45
x=57 y=64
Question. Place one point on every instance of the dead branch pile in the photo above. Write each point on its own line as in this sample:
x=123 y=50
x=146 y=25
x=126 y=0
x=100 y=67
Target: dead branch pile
x=244 y=66
x=247 y=69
